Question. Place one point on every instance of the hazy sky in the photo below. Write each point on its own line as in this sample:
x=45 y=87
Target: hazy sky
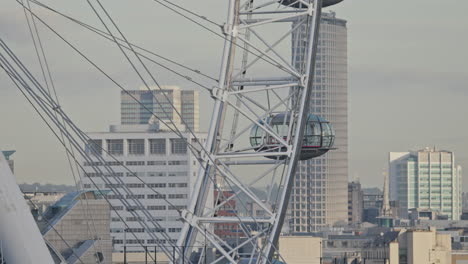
x=408 y=76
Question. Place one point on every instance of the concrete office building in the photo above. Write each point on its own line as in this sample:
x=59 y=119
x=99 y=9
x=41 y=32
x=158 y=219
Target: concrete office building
x=163 y=161
x=320 y=193
x=426 y=179
x=158 y=101
x=355 y=203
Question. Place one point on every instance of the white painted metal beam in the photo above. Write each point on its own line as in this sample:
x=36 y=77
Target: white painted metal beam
x=20 y=237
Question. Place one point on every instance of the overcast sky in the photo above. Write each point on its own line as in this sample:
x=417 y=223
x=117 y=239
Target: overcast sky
x=408 y=76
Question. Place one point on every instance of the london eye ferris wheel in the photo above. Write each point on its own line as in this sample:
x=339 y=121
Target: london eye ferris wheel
x=259 y=125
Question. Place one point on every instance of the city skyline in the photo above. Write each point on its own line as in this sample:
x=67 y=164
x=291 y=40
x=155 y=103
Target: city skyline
x=234 y=131
x=379 y=76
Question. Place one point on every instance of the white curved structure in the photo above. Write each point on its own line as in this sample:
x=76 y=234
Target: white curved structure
x=20 y=238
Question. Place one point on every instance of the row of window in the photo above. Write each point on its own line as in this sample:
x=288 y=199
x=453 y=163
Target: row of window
x=137 y=230
x=170 y=219
x=157 y=146
x=138 y=163
x=143 y=185
x=142 y=241
x=144 y=230
x=436 y=198
x=137 y=174
x=433 y=206
x=149 y=207
x=432 y=186
x=149 y=196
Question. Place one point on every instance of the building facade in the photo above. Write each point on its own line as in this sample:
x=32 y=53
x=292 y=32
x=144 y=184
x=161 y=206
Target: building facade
x=355 y=203
x=163 y=161
x=302 y=249
x=190 y=109
x=80 y=220
x=320 y=192
x=229 y=208
x=413 y=246
x=136 y=103
x=426 y=179
x=372 y=204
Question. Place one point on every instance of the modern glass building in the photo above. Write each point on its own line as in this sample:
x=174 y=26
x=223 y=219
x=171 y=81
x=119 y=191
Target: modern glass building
x=426 y=179
x=186 y=103
x=320 y=192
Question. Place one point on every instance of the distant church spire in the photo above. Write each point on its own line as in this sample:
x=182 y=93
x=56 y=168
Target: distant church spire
x=386 y=210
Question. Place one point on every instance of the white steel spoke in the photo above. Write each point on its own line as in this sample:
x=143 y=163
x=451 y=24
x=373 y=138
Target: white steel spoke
x=272 y=50
x=284 y=36
x=262 y=126
x=265 y=88
x=230 y=176
x=280 y=64
x=260 y=6
x=249 y=185
x=245 y=129
x=267 y=21
x=242 y=244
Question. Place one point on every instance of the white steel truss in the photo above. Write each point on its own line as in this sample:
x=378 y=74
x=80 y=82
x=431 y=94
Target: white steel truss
x=257 y=80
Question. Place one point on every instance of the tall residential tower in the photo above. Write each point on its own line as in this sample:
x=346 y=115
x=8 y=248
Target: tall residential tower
x=320 y=193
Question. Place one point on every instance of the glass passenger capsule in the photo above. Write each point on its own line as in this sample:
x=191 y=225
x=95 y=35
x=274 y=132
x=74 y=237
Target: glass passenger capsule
x=319 y=136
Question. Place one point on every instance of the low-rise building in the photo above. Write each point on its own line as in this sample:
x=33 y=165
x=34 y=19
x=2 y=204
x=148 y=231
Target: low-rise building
x=76 y=229
x=410 y=247
x=40 y=201
x=459 y=257
x=300 y=249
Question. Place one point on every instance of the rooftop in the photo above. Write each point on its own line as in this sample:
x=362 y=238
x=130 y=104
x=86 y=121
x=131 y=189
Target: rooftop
x=55 y=212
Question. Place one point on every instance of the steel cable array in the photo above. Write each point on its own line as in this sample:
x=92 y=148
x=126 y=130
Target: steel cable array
x=17 y=78
x=47 y=75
